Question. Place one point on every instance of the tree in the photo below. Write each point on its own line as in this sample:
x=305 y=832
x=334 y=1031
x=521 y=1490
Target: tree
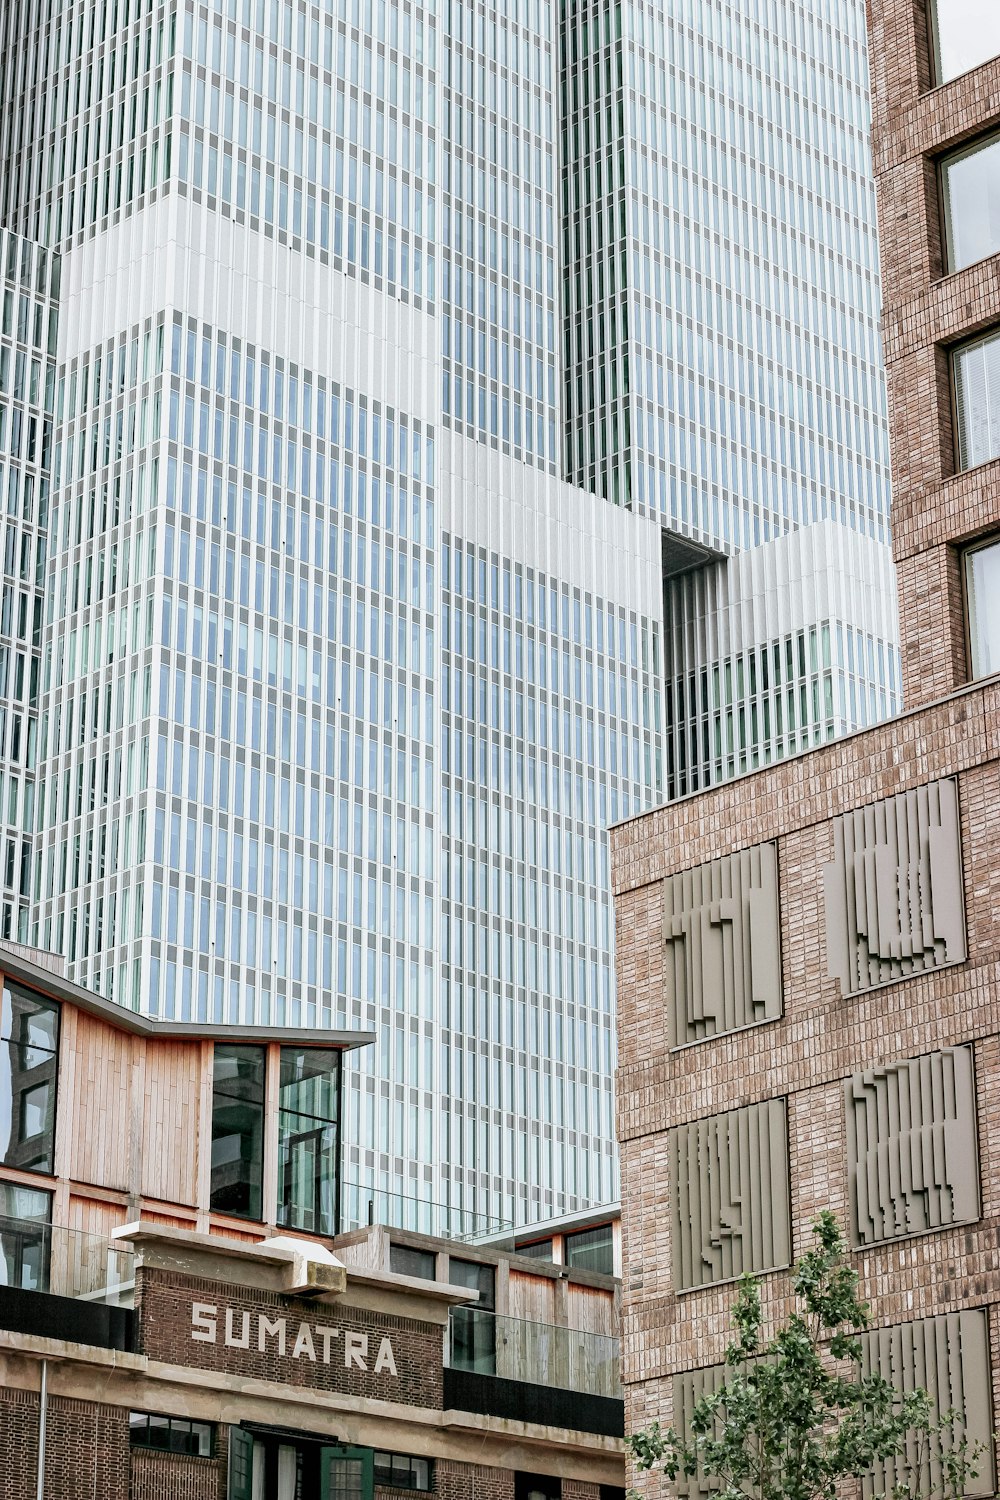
x=795 y=1416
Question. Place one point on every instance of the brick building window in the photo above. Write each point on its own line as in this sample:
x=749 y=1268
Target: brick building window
x=982 y=604
x=171 y=1434
x=537 y=1487
x=966 y=34
x=970 y=182
x=401 y=1472
x=977 y=401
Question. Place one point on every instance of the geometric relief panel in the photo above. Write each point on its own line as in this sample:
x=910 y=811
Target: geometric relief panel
x=722 y=935
x=912 y=1159
x=730 y=1189
x=689 y=1388
x=893 y=891
x=949 y=1357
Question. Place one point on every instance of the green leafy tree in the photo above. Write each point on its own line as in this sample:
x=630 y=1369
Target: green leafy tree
x=795 y=1416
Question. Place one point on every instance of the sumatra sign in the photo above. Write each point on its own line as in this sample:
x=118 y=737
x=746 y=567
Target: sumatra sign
x=322 y=1343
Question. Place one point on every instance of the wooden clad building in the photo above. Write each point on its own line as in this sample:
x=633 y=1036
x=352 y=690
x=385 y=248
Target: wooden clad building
x=183 y=1313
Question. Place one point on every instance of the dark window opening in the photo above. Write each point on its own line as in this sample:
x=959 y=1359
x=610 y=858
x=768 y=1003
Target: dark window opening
x=473 y=1328
x=406 y=1261
x=537 y=1250
x=171 y=1434
x=592 y=1250
x=238 y=1130
x=309 y=1139
x=537 y=1487
x=401 y=1472
x=29 y=1058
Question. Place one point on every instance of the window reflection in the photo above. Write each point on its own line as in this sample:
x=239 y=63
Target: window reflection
x=971 y=190
x=238 y=1130
x=309 y=1139
x=982 y=588
x=25 y=1237
x=966 y=34
x=29 y=1039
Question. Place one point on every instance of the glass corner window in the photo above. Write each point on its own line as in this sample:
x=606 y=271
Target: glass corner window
x=309 y=1139
x=982 y=598
x=238 y=1130
x=977 y=401
x=25 y=1237
x=29 y=1060
x=965 y=34
x=970 y=190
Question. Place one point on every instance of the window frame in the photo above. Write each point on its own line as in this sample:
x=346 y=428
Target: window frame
x=954 y=352
x=410 y=1459
x=191 y=1423
x=969 y=148
x=980 y=544
x=938 y=80
x=230 y=1048
x=10 y=990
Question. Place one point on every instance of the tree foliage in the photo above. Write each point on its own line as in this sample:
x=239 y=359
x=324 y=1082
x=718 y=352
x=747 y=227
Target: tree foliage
x=794 y=1416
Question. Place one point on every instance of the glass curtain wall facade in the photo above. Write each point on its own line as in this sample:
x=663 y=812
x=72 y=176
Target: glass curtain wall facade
x=402 y=347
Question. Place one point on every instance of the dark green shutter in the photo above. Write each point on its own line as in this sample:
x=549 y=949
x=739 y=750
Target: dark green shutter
x=240 y=1464
x=347 y=1474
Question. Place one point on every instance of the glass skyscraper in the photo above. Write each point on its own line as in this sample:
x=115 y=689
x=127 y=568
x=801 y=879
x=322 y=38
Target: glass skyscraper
x=467 y=429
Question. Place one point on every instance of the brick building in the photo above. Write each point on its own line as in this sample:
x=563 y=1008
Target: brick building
x=808 y=956
x=183 y=1315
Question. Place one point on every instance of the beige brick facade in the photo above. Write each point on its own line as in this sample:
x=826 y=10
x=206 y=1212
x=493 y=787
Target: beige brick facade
x=822 y=1039
x=899 y=1035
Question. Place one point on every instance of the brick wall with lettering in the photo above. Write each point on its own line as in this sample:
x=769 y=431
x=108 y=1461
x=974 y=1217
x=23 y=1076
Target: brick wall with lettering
x=176 y=1476
x=340 y=1349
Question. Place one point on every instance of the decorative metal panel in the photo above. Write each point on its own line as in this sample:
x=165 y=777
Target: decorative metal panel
x=723 y=941
x=911 y=1146
x=730 y=1195
x=893 y=890
x=949 y=1357
x=689 y=1388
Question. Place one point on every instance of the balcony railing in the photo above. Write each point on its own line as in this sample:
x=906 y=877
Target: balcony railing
x=360 y=1205
x=539 y=1353
x=38 y=1257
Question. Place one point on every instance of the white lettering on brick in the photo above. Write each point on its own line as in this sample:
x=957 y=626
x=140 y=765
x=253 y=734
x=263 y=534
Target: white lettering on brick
x=267 y=1329
x=304 y=1344
x=355 y=1350
x=243 y=1340
x=203 y=1316
x=385 y=1360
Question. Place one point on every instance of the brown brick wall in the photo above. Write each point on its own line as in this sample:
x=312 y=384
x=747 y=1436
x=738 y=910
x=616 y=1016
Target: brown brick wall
x=19 y=1444
x=457 y=1481
x=925 y=314
x=822 y=1038
x=175 y=1476
x=86 y=1448
x=164 y=1303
